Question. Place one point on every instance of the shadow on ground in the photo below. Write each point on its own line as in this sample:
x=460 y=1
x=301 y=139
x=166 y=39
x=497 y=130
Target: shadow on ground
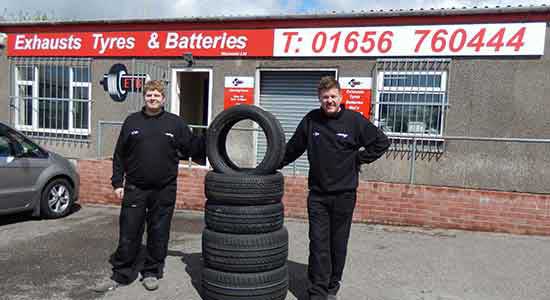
x=193 y=267
x=297 y=272
x=298 y=282
x=27 y=216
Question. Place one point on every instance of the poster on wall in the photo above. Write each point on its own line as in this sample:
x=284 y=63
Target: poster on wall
x=356 y=94
x=238 y=90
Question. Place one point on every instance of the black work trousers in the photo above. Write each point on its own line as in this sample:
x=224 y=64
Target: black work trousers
x=330 y=217
x=154 y=207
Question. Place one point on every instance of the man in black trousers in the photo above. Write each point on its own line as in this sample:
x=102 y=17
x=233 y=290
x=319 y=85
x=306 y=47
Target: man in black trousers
x=337 y=141
x=145 y=169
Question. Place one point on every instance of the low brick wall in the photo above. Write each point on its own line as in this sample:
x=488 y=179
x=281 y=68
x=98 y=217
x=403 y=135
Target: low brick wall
x=377 y=202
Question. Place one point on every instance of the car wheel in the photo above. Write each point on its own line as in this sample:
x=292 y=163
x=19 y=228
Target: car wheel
x=57 y=199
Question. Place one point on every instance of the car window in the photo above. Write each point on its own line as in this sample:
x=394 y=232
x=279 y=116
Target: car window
x=24 y=148
x=5 y=150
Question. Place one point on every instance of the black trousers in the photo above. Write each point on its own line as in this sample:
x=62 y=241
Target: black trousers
x=154 y=207
x=330 y=217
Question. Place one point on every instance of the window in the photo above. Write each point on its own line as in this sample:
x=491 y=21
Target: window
x=5 y=149
x=411 y=103
x=411 y=99
x=53 y=97
x=22 y=147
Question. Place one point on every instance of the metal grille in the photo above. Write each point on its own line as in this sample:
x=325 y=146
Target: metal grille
x=51 y=97
x=411 y=102
x=107 y=131
x=156 y=71
x=289 y=95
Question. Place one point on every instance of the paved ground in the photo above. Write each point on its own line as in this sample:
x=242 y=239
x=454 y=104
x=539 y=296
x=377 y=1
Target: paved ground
x=61 y=259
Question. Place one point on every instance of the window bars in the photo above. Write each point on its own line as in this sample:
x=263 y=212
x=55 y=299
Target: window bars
x=51 y=97
x=411 y=102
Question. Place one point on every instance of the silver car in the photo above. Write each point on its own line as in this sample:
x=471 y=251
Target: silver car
x=34 y=179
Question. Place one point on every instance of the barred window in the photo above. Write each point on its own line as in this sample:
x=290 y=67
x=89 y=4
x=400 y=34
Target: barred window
x=52 y=96
x=411 y=102
x=411 y=99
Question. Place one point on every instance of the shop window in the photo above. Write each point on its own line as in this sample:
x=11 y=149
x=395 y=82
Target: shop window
x=52 y=97
x=411 y=101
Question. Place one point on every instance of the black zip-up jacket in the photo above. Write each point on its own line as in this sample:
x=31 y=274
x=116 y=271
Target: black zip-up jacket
x=147 y=149
x=334 y=148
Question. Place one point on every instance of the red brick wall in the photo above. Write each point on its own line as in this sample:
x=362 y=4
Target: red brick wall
x=377 y=202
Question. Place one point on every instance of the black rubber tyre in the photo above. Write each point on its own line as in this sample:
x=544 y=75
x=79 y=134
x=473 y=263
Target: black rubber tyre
x=245 y=253
x=217 y=136
x=57 y=199
x=244 y=219
x=244 y=189
x=270 y=285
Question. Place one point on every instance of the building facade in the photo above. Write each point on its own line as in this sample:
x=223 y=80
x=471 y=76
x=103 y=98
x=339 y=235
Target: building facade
x=436 y=81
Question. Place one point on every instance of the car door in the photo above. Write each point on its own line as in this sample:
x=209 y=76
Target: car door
x=20 y=171
x=6 y=157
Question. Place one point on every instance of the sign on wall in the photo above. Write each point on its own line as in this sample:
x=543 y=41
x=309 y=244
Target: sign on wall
x=118 y=83
x=509 y=39
x=356 y=94
x=436 y=40
x=144 y=43
x=238 y=90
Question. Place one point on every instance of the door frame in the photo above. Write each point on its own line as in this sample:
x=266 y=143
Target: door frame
x=175 y=100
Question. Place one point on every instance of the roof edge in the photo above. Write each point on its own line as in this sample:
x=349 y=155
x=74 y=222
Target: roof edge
x=434 y=12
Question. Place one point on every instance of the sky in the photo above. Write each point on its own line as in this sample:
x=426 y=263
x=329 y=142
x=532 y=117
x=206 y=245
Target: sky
x=124 y=9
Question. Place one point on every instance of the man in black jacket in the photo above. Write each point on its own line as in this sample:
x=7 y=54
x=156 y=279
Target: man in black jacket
x=145 y=169
x=337 y=141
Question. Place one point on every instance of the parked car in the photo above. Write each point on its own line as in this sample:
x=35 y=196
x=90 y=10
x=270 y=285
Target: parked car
x=34 y=179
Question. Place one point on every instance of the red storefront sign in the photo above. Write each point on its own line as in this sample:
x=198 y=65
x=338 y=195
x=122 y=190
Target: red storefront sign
x=420 y=40
x=162 y=43
x=238 y=90
x=503 y=39
x=356 y=94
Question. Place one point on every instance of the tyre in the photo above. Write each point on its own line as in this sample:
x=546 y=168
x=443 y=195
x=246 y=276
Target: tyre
x=57 y=199
x=244 y=219
x=245 y=253
x=217 y=136
x=270 y=285
x=244 y=189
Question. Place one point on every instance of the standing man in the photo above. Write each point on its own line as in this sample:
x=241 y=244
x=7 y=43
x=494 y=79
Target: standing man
x=145 y=169
x=337 y=141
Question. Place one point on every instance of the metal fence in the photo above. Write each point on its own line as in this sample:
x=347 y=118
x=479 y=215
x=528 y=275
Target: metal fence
x=108 y=131
x=414 y=154
x=408 y=151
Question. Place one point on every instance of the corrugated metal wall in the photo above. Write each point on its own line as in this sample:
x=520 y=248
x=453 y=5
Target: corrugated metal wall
x=289 y=95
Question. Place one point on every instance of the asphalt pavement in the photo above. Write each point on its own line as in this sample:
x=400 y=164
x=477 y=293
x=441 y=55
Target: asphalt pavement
x=64 y=258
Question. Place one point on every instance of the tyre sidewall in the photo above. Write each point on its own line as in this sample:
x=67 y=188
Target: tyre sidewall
x=45 y=209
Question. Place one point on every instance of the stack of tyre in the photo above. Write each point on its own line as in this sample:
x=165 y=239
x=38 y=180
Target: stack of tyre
x=244 y=244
